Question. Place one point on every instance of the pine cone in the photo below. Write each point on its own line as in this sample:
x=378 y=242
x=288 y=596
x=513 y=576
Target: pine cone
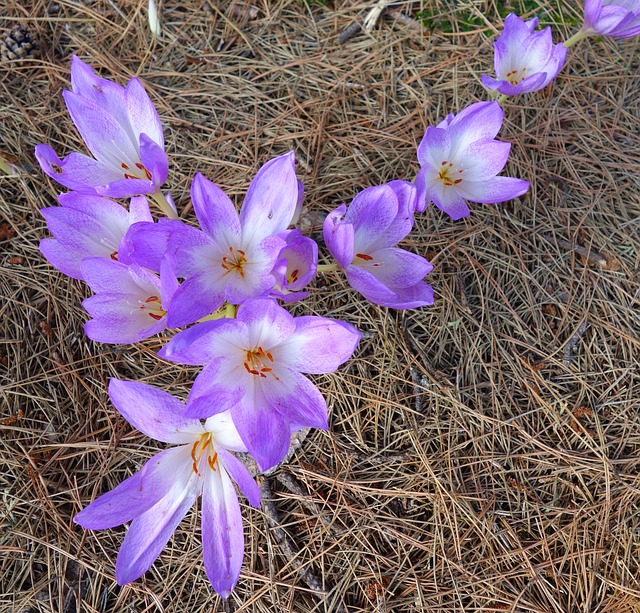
x=17 y=43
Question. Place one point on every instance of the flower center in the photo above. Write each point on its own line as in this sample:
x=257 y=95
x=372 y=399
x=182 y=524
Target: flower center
x=449 y=176
x=234 y=261
x=137 y=172
x=153 y=308
x=259 y=363
x=515 y=76
x=204 y=443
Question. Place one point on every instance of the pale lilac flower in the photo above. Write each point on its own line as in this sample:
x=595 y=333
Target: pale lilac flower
x=121 y=129
x=130 y=302
x=362 y=239
x=460 y=160
x=295 y=267
x=88 y=226
x=616 y=18
x=253 y=368
x=525 y=60
x=157 y=497
x=232 y=258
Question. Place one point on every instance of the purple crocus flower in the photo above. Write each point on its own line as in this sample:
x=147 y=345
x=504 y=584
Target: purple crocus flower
x=88 y=226
x=295 y=267
x=156 y=498
x=231 y=259
x=253 y=368
x=130 y=303
x=616 y=18
x=121 y=129
x=362 y=239
x=525 y=60
x=460 y=160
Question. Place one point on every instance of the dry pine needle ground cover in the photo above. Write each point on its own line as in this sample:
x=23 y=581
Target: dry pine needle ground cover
x=484 y=452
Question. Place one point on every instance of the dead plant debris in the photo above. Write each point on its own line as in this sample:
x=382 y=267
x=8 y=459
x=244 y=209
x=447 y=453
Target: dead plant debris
x=484 y=453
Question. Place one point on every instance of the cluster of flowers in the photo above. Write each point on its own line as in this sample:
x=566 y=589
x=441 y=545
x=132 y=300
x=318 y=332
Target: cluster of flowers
x=225 y=278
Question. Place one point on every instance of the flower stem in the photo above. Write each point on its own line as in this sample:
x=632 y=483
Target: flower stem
x=501 y=99
x=322 y=268
x=227 y=311
x=5 y=168
x=163 y=204
x=575 y=38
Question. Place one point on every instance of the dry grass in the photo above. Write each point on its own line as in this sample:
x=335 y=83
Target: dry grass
x=484 y=453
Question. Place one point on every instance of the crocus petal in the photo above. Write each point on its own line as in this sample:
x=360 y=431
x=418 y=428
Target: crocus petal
x=479 y=121
x=85 y=226
x=225 y=433
x=418 y=295
x=149 y=532
x=498 y=189
x=139 y=210
x=318 y=345
x=125 y=188
x=256 y=278
x=208 y=405
x=271 y=200
x=267 y=322
x=107 y=140
x=239 y=473
x=515 y=32
x=153 y=411
x=222 y=532
x=371 y=213
x=422 y=198
x=216 y=214
x=338 y=236
x=60 y=257
x=154 y=159
x=611 y=18
x=435 y=147
x=264 y=432
x=216 y=389
x=484 y=159
x=76 y=171
x=397 y=267
x=115 y=322
x=298 y=400
x=296 y=263
x=102 y=92
x=148 y=243
x=168 y=281
x=197 y=297
x=103 y=275
x=533 y=83
x=448 y=199
x=135 y=495
x=401 y=226
x=592 y=10
x=205 y=342
x=369 y=286
x=142 y=115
